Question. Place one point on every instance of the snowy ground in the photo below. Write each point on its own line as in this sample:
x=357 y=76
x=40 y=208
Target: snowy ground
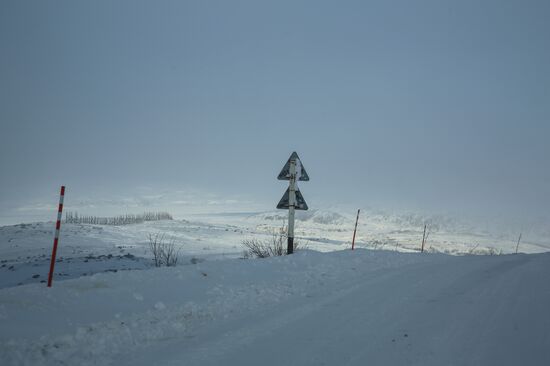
x=87 y=249
x=345 y=308
x=326 y=305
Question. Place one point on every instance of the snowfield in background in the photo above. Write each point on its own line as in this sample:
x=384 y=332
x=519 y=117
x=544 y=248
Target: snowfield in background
x=324 y=305
x=87 y=249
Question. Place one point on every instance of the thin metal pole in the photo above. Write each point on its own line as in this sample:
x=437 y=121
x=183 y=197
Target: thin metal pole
x=291 y=208
x=355 y=230
x=517 y=246
x=56 y=239
x=423 y=239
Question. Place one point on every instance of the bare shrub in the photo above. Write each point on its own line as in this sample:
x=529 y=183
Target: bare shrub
x=155 y=248
x=165 y=253
x=494 y=251
x=170 y=253
x=273 y=246
x=473 y=249
x=485 y=250
x=261 y=248
x=300 y=245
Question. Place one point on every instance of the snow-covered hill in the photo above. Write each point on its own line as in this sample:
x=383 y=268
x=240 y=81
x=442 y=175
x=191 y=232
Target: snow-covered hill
x=87 y=249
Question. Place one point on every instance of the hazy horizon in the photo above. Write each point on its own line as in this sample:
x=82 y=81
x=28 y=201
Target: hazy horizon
x=433 y=106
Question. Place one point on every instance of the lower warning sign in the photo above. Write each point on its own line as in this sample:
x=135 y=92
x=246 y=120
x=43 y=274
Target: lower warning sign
x=300 y=201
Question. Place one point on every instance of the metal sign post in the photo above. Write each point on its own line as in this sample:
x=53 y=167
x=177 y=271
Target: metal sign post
x=291 y=209
x=423 y=239
x=292 y=199
x=355 y=230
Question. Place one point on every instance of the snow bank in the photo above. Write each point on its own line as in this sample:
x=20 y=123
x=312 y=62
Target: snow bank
x=87 y=321
x=339 y=308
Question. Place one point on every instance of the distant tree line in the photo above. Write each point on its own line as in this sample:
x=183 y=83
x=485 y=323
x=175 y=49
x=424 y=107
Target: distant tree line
x=75 y=218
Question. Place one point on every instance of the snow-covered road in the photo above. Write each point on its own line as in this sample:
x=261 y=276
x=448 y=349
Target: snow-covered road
x=447 y=311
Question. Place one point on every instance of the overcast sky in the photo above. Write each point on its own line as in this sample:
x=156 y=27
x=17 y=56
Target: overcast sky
x=440 y=105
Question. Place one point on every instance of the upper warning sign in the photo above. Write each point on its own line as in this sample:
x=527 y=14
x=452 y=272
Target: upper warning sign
x=301 y=173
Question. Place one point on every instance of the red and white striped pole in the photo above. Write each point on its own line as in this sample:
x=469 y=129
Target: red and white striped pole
x=355 y=230
x=56 y=240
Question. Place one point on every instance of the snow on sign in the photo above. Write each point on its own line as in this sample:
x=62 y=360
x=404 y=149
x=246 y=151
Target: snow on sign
x=292 y=199
x=300 y=203
x=301 y=173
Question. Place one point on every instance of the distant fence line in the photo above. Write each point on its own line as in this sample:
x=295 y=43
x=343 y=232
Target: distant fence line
x=75 y=218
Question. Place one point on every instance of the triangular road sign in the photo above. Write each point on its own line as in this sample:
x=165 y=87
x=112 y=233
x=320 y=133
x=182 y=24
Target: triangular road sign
x=300 y=170
x=300 y=201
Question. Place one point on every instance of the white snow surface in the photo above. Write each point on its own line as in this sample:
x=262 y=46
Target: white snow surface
x=311 y=308
x=87 y=249
x=326 y=305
